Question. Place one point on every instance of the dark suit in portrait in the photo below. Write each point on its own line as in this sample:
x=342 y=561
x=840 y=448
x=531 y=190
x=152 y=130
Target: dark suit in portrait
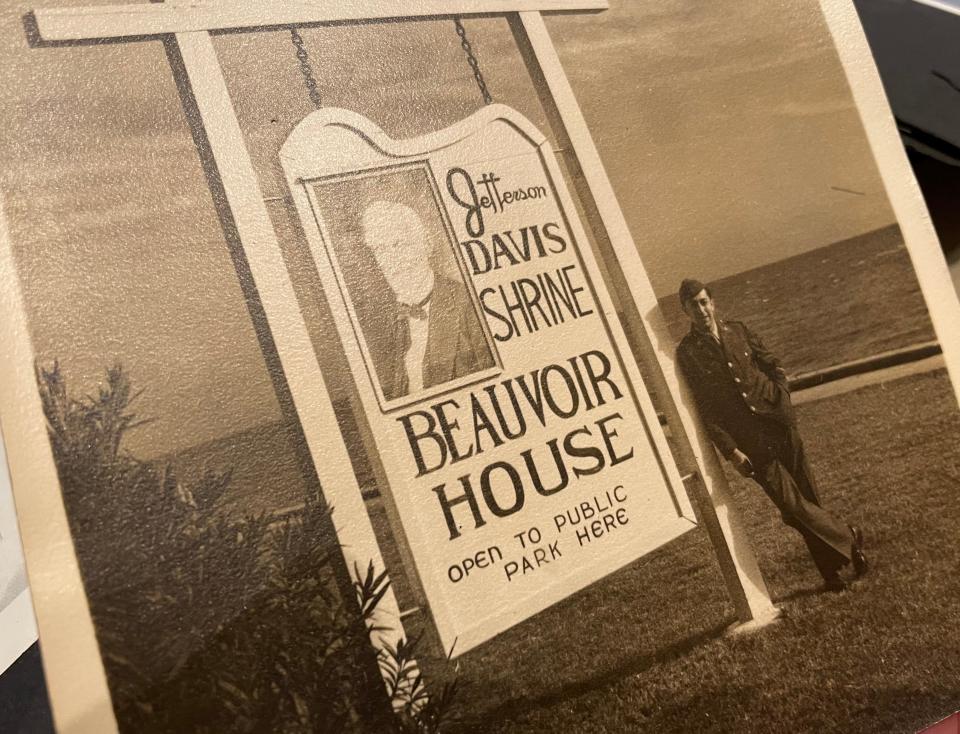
x=420 y=326
x=456 y=344
x=742 y=396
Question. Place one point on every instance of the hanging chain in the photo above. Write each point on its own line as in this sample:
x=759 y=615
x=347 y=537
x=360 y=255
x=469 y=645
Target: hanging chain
x=304 y=62
x=310 y=80
x=472 y=60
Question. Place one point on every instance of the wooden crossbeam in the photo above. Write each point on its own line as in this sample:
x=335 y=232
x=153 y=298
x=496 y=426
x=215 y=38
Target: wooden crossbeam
x=153 y=19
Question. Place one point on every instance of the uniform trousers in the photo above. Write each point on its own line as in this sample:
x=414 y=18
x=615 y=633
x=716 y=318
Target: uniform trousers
x=781 y=469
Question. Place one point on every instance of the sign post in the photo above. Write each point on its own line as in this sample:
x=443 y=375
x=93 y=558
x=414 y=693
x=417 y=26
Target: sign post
x=744 y=582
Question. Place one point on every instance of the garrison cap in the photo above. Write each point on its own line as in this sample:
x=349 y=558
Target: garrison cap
x=689 y=288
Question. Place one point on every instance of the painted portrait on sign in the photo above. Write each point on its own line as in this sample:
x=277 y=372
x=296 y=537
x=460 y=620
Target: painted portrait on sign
x=412 y=308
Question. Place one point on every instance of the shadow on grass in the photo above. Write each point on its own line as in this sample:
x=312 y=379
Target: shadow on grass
x=514 y=707
x=715 y=710
x=798 y=594
x=854 y=585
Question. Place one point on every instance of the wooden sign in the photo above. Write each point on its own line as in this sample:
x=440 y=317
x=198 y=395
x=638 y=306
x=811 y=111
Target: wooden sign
x=523 y=456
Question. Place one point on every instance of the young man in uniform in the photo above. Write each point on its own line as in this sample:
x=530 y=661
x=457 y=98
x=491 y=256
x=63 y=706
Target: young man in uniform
x=743 y=399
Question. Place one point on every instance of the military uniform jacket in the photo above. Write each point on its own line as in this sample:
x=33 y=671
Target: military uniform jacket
x=736 y=382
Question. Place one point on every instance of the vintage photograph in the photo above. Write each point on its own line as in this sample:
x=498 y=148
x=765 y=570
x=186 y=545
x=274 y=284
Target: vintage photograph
x=184 y=418
x=390 y=247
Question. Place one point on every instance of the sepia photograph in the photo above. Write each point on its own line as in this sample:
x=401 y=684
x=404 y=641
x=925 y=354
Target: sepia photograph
x=487 y=367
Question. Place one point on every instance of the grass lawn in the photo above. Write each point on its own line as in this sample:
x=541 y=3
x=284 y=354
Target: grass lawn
x=644 y=650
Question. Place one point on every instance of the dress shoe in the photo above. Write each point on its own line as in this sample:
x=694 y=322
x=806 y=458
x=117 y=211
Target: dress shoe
x=857 y=558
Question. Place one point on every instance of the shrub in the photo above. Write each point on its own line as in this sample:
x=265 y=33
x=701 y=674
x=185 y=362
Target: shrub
x=210 y=624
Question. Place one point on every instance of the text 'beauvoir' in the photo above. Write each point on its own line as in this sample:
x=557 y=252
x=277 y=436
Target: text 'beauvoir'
x=449 y=432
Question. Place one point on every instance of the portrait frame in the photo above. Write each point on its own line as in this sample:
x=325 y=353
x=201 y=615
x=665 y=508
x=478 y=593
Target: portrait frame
x=449 y=247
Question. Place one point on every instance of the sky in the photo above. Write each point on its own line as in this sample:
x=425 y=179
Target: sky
x=727 y=130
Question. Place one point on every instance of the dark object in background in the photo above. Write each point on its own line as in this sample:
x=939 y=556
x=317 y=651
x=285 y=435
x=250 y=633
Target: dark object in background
x=940 y=183
x=915 y=47
x=24 y=707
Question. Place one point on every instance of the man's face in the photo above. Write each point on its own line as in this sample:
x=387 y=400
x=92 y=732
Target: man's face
x=402 y=250
x=701 y=311
x=398 y=242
